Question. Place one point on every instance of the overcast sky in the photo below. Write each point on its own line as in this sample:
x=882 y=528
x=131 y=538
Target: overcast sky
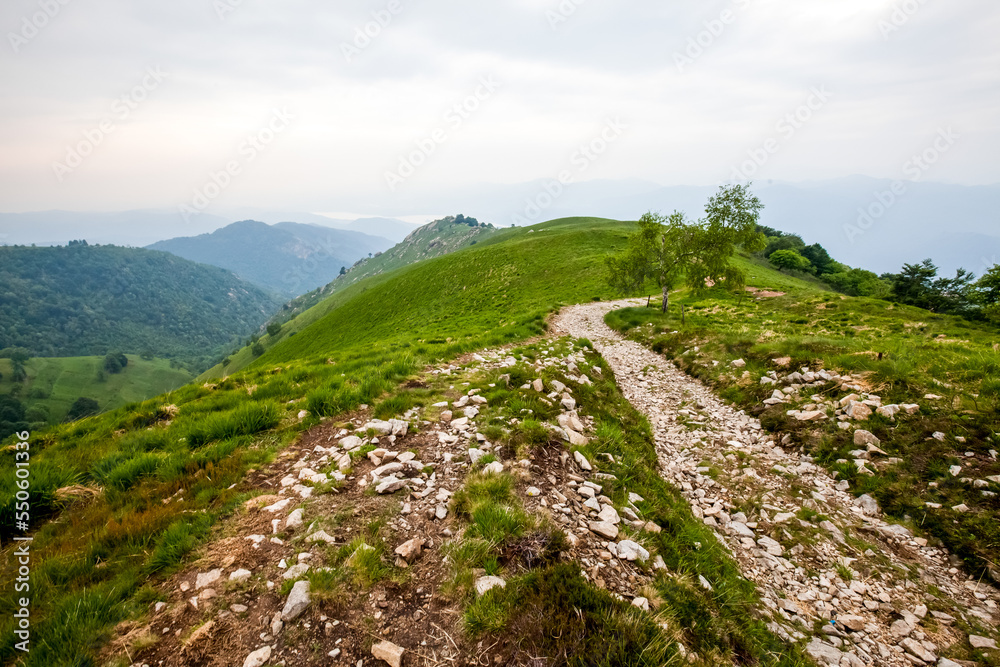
x=112 y=105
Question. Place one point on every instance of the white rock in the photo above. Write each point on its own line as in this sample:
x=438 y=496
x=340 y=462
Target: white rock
x=296 y=571
x=240 y=575
x=582 y=461
x=484 y=584
x=389 y=653
x=258 y=658
x=982 y=642
x=294 y=520
x=297 y=601
x=207 y=579
x=629 y=550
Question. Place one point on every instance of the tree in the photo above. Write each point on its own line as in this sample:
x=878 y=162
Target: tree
x=257 y=349
x=784 y=242
x=18 y=356
x=819 y=258
x=82 y=407
x=858 y=282
x=789 y=260
x=273 y=329
x=918 y=285
x=343 y=270
x=671 y=250
x=115 y=362
x=987 y=293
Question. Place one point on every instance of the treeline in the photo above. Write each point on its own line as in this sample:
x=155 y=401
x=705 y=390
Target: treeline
x=915 y=285
x=87 y=300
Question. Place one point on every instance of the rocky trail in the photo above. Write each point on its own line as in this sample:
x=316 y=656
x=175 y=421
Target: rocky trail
x=342 y=556
x=880 y=595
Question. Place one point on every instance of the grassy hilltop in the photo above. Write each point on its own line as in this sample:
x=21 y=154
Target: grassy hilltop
x=104 y=546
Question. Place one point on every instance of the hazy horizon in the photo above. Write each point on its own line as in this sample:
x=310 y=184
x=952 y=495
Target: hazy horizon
x=202 y=106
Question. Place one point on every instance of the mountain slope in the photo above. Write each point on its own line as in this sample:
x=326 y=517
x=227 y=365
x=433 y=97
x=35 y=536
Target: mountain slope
x=80 y=300
x=184 y=488
x=288 y=258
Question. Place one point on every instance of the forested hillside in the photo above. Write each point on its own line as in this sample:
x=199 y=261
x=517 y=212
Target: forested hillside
x=82 y=300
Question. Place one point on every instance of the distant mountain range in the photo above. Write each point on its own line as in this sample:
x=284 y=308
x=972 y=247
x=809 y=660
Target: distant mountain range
x=288 y=258
x=955 y=225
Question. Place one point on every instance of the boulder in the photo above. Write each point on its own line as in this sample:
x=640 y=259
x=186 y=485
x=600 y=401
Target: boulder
x=410 y=550
x=868 y=505
x=864 y=438
x=389 y=653
x=485 y=584
x=609 y=514
x=606 y=530
x=207 y=579
x=294 y=519
x=390 y=485
x=629 y=550
x=582 y=461
x=258 y=658
x=982 y=642
x=297 y=601
x=296 y=571
x=351 y=442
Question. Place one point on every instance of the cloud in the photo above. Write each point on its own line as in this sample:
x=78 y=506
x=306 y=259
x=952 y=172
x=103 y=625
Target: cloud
x=565 y=66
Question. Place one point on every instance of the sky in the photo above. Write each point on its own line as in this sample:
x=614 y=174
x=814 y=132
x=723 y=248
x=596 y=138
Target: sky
x=196 y=105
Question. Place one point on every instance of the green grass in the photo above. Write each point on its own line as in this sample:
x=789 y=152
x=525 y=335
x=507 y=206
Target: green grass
x=370 y=340
x=54 y=383
x=477 y=297
x=921 y=353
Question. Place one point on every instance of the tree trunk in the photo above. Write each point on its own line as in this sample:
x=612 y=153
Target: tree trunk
x=666 y=297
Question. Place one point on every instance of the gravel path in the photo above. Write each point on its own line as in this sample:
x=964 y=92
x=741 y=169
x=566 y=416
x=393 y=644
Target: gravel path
x=871 y=577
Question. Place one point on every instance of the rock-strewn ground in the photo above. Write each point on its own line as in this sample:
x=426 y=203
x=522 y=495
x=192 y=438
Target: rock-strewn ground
x=820 y=557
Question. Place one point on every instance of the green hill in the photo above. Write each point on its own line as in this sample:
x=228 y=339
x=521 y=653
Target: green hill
x=54 y=383
x=432 y=240
x=105 y=560
x=81 y=300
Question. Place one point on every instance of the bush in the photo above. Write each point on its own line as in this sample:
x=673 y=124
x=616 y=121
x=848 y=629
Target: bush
x=82 y=407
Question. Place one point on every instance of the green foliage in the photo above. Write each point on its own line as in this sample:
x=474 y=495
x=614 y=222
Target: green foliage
x=789 y=260
x=81 y=300
x=115 y=362
x=858 y=282
x=918 y=285
x=669 y=250
x=783 y=242
x=257 y=349
x=82 y=407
